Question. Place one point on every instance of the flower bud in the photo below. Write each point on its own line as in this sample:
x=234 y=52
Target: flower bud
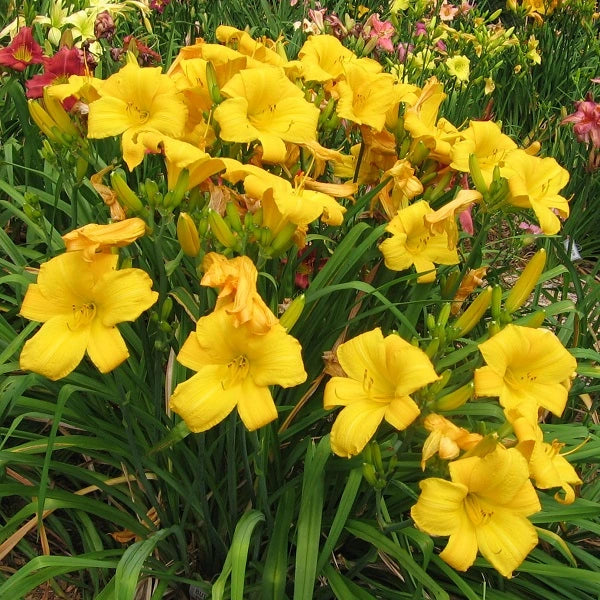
x=213 y=84
x=283 y=240
x=42 y=119
x=126 y=194
x=293 y=312
x=187 y=234
x=476 y=175
x=221 y=230
x=457 y=398
x=469 y=319
x=233 y=217
x=59 y=115
x=177 y=193
x=526 y=282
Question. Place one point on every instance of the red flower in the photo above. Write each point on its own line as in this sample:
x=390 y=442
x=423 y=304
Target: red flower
x=587 y=121
x=57 y=69
x=23 y=51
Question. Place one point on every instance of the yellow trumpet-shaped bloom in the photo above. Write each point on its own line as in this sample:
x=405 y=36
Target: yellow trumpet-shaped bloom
x=323 y=58
x=365 y=97
x=420 y=120
x=381 y=375
x=486 y=141
x=264 y=105
x=485 y=507
x=94 y=238
x=79 y=303
x=547 y=467
x=179 y=156
x=134 y=99
x=412 y=243
x=248 y=46
x=234 y=367
x=444 y=219
x=535 y=183
x=527 y=369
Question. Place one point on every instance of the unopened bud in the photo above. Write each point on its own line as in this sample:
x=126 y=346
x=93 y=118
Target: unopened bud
x=457 y=398
x=293 y=312
x=213 y=84
x=221 y=230
x=187 y=234
x=283 y=240
x=126 y=194
x=469 y=319
x=42 y=119
x=59 y=115
x=476 y=175
x=526 y=282
x=233 y=217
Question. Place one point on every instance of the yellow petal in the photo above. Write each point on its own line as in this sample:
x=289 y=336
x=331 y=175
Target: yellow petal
x=65 y=280
x=133 y=149
x=364 y=353
x=275 y=358
x=56 y=349
x=255 y=405
x=108 y=116
x=123 y=295
x=36 y=306
x=461 y=550
x=499 y=476
x=395 y=254
x=192 y=355
x=106 y=347
x=355 y=426
x=488 y=382
x=409 y=366
x=505 y=540
x=93 y=237
x=341 y=391
x=401 y=412
x=202 y=401
x=438 y=510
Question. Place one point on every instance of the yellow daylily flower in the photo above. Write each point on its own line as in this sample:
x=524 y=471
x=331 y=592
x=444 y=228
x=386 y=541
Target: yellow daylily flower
x=548 y=468
x=412 y=243
x=79 y=304
x=491 y=147
x=135 y=99
x=527 y=369
x=281 y=202
x=94 y=238
x=264 y=105
x=421 y=121
x=446 y=439
x=179 y=156
x=444 y=219
x=381 y=375
x=459 y=66
x=365 y=97
x=236 y=280
x=83 y=87
x=247 y=45
x=485 y=507
x=234 y=367
x=323 y=58
x=535 y=183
